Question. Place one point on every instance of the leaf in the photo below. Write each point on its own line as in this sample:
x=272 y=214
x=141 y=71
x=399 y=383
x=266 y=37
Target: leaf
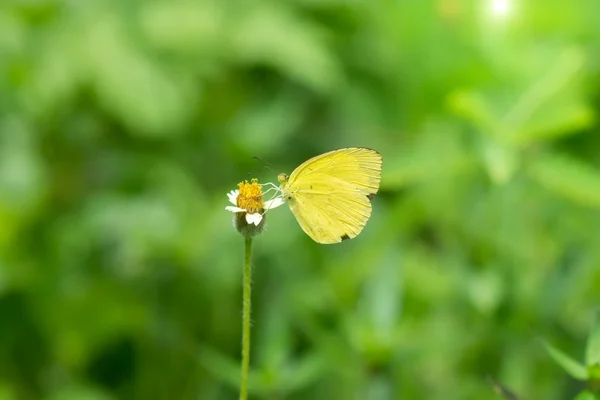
x=222 y=367
x=21 y=170
x=559 y=120
x=274 y=36
x=572 y=367
x=501 y=161
x=379 y=310
x=486 y=290
x=568 y=177
x=272 y=338
x=80 y=392
x=531 y=106
x=121 y=70
x=587 y=395
x=304 y=372
x=552 y=105
x=431 y=156
x=592 y=352
x=289 y=377
x=264 y=125
x=185 y=27
x=475 y=107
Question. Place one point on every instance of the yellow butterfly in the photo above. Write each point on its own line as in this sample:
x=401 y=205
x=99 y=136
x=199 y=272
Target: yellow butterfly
x=330 y=194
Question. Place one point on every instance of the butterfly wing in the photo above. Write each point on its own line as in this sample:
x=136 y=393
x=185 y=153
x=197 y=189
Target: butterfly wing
x=330 y=194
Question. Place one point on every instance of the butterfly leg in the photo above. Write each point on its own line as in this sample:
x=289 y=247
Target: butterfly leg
x=272 y=197
x=273 y=186
x=268 y=190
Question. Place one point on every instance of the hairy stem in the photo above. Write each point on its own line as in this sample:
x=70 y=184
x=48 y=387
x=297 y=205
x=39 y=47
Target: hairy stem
x=247 y=293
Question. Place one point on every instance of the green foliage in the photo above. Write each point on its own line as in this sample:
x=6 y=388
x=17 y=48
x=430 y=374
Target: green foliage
x=123 y=124
x=589 y=372
x=592 y=353
x=572 y=367
x=586 y=396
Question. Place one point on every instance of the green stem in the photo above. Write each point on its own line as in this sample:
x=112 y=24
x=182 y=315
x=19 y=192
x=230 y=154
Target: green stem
x=247 y=292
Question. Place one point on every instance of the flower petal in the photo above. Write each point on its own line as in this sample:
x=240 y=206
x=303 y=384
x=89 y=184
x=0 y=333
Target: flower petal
x=254 y=218
x=274 y=203
x=234 y=209
x=232 y=196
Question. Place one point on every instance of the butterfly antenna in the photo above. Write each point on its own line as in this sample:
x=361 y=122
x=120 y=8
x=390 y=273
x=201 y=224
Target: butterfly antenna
x=268 y=165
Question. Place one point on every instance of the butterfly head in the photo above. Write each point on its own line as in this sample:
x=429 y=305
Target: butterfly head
x=283 y=179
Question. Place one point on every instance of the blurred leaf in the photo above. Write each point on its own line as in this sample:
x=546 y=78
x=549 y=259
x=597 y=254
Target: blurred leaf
x=21 y=173
x=185 y=26
x=274 y=36
x=475 y=108
x=592 y=352
x=501 y=161
x=564 y=120
x=263 y=127
x=486 y=291
x=121 y=72
x=80 y=393
x=273 y=337
x=567 y=177
x=379 y=388
x=374 y=330
x=6 y=391
x=289 y=378
x=550 y=104
x=586 y=395
x=553 y=104
x=306 y=372
x=225 y=369
x=572 y=367
x=13 y=33
x=435 y=154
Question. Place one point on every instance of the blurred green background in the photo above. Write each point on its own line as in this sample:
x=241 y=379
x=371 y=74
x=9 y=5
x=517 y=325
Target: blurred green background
x=123 y=124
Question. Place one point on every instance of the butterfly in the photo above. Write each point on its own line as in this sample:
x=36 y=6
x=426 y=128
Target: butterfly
x=330 y=194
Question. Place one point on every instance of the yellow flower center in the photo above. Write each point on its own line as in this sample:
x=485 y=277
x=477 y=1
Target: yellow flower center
x=251 y=196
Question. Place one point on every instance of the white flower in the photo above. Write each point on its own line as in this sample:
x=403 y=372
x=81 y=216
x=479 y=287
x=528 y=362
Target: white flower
x=251 y=217
x=273 y=203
